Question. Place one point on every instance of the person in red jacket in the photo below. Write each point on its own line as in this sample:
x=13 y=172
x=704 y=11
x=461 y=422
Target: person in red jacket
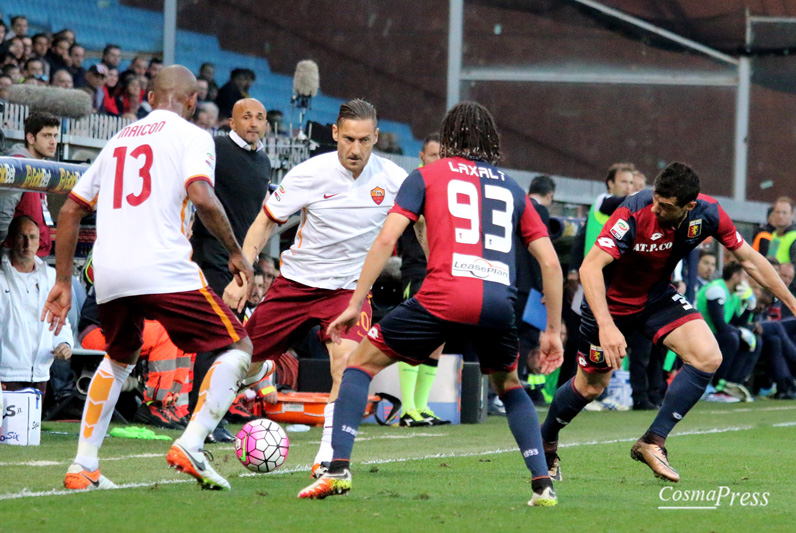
x=41 y=141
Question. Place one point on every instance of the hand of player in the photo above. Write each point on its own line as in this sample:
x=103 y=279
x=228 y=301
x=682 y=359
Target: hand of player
x=343 y=323
x=551 y=352
x=235 y=295
x=62 y=351
x=58 y=303
x=240 y=268
x=613 y=344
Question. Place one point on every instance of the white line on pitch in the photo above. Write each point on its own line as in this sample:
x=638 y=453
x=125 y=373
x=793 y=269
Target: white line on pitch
x=25 y=493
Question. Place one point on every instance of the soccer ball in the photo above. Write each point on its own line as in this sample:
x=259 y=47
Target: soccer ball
x=262 y=445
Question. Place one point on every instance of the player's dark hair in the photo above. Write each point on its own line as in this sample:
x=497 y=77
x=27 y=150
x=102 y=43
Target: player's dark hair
x=678 y=180
x=730 y=269
x=357 y=109
x=616 y=168
x=37 y=121
x=469 y=131
x=542 y=185
x=431 y=138
x=15 y=227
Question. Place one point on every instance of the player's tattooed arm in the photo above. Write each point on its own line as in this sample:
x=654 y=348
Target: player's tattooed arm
x=591 y=276
x=213 y=216
x=420 y=233
x=763 y=273
x=257 y=235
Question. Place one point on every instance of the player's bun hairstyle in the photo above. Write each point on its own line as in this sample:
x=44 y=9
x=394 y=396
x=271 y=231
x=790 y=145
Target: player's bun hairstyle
x=618 y=167
x=468 y=130
x=678 y=180
x=357 y=109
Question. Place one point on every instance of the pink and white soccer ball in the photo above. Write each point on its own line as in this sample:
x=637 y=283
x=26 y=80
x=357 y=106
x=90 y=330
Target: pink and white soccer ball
x=262 y=445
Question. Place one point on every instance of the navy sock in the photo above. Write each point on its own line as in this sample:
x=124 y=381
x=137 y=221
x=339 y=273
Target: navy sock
x=685 y=391
x=348 y=410
x=524 y=425
x=567 y=403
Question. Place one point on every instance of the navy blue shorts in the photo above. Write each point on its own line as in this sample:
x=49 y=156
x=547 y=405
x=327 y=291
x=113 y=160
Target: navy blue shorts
x=409 y=333
x=655 y=322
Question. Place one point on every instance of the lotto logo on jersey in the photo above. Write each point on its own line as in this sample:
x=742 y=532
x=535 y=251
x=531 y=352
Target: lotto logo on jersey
x=620 y=229
x=596 y=354
x=695 y=228
x=471 y=266
x=373 y=333
x=378 y=195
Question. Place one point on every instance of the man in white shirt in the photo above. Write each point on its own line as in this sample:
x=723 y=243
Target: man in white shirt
x=27 y=347
x=140 y=186
x=344 y=198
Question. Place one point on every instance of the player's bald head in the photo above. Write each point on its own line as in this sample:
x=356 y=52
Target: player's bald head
x=175 y=89
x=247 y=104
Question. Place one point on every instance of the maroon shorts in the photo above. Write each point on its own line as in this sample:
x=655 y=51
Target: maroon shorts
x=290 y=310
x=196 y=321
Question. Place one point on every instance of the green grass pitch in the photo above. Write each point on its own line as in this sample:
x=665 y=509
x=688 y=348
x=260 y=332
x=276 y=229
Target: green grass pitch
x=448 y=478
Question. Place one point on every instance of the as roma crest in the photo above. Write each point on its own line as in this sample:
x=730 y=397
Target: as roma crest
x=378 y=195
x=694 y=228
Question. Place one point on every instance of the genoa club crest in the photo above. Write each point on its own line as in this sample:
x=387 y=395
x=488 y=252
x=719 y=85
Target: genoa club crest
x=378 y=195
x=695 y=228
x=596 y=354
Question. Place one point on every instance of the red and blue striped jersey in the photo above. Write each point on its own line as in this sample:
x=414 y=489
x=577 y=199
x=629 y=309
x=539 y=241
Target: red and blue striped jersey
x=647 y=252
x=476 y=216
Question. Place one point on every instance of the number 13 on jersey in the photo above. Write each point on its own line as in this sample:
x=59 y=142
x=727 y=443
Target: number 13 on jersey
x=120 y=154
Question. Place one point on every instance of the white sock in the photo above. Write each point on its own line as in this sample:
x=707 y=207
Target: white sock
x=325 y=452
x=216 y=394
x=103 y=393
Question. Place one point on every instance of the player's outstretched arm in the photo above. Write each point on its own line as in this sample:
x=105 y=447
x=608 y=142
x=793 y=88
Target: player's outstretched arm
x=379 y=253
x=213 y=216
x=552 y=352
x=59 y=301
x=762 y=272
x=258 y=234
x=591 y=276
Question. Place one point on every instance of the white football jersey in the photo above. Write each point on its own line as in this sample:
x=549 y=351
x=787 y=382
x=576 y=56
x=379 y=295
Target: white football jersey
x=138 y=186
x=340 y=217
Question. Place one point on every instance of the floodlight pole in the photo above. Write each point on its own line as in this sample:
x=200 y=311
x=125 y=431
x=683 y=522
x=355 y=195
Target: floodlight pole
x=455 y=36
x=742 y=103
x=169 y=31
